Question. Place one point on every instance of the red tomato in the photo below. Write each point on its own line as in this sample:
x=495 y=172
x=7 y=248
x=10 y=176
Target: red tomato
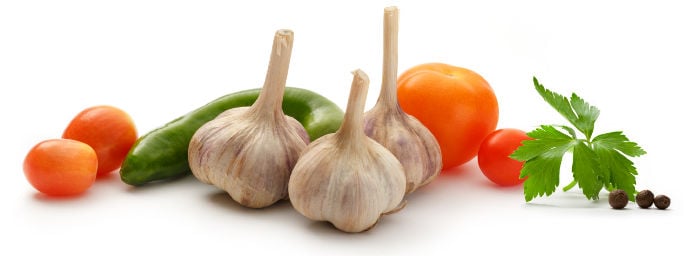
x=494 y=160
x=61 y=167
x=108 y=130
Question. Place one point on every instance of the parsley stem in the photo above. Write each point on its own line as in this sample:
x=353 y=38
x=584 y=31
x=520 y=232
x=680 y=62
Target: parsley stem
x=570 y=186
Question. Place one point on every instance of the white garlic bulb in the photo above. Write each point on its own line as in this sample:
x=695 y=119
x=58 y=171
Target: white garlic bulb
x=250 y=151
x=347 y=178
x=406 y=137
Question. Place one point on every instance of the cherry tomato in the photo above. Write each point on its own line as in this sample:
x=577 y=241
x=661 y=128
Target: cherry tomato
x=61 y=167
x=494 y=160
x=456 y=104
x=108 y=130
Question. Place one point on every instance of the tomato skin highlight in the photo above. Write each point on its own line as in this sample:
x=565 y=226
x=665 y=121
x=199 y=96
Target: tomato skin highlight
x=456 y=104
x=110 y=131
x=61 y=167
x=494 y=156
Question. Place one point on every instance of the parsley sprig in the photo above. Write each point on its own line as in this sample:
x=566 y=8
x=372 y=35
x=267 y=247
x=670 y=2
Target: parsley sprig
x=597 y=162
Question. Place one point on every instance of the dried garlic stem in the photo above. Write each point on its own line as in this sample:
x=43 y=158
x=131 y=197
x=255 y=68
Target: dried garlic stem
x=390 y=59
x=351 y=130
x=272 y=92
x=409 y=140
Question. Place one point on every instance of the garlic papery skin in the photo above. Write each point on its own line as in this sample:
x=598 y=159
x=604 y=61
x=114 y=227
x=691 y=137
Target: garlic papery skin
x=250 y=151
x=404 y=135
x=346 y=178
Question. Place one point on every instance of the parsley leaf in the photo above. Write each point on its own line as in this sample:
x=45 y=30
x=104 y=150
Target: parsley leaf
x=600 y=162
x=617 y=169
x=586 y=169
x=543 y=156
x=619 y=142
x=577 y=111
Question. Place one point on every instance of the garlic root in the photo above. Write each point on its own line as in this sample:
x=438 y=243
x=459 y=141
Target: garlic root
x=347 y=178
x=250 y=151
x=406 y=137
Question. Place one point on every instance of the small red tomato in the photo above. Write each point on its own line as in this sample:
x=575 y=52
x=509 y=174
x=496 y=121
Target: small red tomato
x=494 y=156
x=108 y=130
x=61 y=167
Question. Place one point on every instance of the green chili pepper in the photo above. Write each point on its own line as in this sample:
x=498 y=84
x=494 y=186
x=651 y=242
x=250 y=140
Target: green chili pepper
x=162 y=153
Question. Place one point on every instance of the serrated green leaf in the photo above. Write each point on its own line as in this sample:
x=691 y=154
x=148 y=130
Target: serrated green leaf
x=586 y=115
x=569 y=130
x=543 y=156
x=598 y=163
x=618 y=141
x=545 y=139
x=542 y=176
x=557 y=101
x=619 y=169
x=585 y=168
x=577 y=111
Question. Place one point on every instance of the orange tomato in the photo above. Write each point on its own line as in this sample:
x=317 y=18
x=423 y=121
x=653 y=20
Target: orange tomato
x=456 y=104
x=108 y=130
x=61 y=167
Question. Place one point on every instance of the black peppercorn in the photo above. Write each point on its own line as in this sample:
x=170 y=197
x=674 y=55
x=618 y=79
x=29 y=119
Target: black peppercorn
x=618 y=199
x=662 y=202
x=645 y=199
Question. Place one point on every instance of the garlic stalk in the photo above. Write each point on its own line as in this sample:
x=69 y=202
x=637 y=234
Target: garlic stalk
x=347 y=178
x=250 y=151
x=406 y=137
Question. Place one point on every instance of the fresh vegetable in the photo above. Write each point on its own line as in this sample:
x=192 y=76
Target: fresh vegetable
x=598 y=162
x=409 y=140
x=618 y=199
x=250 y=152
x=162 y=153
x=110 y=131
x=61 y=167
x=494 y=156
x=457 y=105
x=347 y=178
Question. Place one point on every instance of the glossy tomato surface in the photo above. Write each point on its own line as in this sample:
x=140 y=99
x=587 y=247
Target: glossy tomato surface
x=109 y=130
x=456 y=104
x=61 y=167
x=494 y=156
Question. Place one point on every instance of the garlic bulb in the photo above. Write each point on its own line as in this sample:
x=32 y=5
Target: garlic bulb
x=250 y=151
x=409 y=140
x=347 y=178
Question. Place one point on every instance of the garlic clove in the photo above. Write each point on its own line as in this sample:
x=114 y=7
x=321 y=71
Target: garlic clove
x=249 y=152
x=406 y=137
x=347 y=178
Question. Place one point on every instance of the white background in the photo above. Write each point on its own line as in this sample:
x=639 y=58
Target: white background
x=635 y=60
